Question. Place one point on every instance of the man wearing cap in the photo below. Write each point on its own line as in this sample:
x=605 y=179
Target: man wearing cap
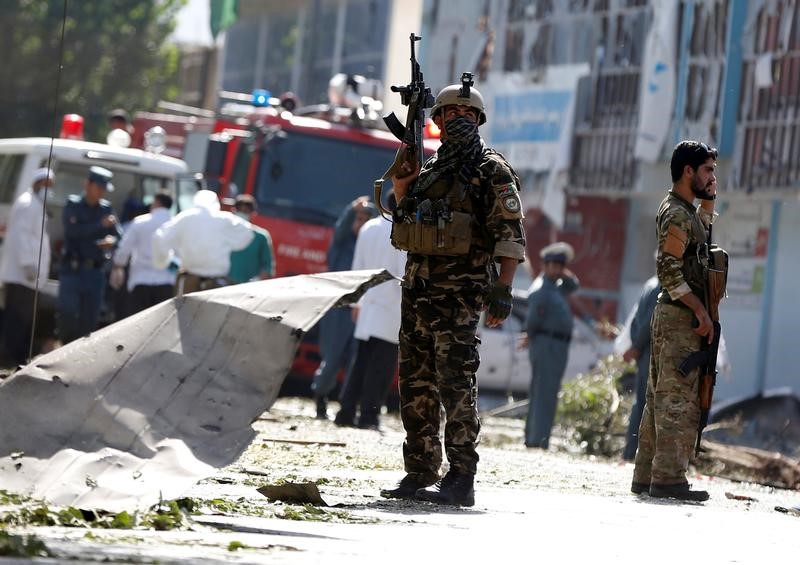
x=120 y=128
x=549 y=330
x=25 y=265
x=458 y=217
x=118 y=119
x=90 y=233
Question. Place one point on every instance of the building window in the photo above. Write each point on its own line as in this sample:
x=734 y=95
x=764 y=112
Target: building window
x=607 y=103
x=768 y=143
x=705 y=72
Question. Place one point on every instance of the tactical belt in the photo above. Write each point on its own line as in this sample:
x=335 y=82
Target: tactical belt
x=77 y=264
x=555 y=335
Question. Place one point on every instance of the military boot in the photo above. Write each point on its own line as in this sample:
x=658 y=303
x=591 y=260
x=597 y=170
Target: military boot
x=456 y=489
x=409 y=485
x=680 y=491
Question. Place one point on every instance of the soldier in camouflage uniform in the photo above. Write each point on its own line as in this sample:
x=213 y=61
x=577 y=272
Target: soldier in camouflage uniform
x=680 y=322
x=449 y=278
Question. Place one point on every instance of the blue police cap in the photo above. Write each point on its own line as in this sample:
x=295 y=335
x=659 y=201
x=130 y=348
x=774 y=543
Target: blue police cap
x=102 y=177
x=558 y=252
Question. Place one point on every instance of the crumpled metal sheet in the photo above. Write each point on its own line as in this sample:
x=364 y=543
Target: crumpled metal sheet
x=769 y=420
x=146 y=407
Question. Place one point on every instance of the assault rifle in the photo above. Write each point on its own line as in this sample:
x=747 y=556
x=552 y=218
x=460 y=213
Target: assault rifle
x=706 y=358
x=417 y=97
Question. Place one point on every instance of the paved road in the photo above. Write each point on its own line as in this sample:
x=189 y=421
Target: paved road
x=531 y=506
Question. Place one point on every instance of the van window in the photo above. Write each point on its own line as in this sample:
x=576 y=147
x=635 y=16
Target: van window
x=10 y=166
x=132 y=192
x=70 y=179
x=150 y=186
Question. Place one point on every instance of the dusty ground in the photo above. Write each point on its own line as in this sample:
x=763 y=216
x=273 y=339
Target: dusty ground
x=527 y=502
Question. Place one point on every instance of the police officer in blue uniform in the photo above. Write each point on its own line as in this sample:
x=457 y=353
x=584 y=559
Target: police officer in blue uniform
x=640 y=351
x=549 y=329
x=90 y=233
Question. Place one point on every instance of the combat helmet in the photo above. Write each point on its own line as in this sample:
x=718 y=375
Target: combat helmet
x=461 y=95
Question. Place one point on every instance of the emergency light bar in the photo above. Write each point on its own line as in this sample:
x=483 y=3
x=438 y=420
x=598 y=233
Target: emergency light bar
x=260 y=97
x=71 y=126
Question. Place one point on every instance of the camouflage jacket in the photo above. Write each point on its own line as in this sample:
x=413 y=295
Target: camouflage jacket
x=680 y=268
x=496 y=203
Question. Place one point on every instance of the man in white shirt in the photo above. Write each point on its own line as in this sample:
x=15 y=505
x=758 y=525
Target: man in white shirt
x=202 y=238
x=377 y=317
x=147 y=284
x=19 y=267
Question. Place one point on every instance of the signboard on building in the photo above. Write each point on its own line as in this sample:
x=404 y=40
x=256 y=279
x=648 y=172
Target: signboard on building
x=530 y=122
x=743 y=231
x=526 y=117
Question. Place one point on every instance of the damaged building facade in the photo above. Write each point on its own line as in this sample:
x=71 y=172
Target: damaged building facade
x=587 y=99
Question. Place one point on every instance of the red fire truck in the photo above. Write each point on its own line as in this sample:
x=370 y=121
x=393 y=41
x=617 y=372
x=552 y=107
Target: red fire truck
x=302 y=165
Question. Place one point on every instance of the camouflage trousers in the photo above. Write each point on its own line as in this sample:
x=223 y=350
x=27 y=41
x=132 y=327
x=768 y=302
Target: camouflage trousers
x=671 y=413
x=438 y=362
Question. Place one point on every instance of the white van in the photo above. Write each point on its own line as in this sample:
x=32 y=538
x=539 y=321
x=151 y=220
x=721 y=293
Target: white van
x=137 y=174
x=506 y=368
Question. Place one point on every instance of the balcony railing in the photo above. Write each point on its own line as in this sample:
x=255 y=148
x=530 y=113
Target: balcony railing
x=607 y=109
x=768 y=144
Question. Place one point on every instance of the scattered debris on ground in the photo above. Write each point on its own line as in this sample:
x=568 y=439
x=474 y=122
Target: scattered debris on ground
x=748 y=464
x=295 y=493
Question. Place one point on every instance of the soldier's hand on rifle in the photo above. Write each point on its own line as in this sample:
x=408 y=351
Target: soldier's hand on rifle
x=406 y=173
x=705 y=326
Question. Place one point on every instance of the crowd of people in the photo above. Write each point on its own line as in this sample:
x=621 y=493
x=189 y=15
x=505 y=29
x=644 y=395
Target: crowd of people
x=423 y=329
x=110 y=269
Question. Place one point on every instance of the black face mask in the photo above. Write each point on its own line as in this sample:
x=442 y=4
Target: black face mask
x=460 y=130
x=458 y=154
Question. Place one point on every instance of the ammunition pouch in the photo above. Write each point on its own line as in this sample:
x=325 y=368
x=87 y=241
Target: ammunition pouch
x=441 y=236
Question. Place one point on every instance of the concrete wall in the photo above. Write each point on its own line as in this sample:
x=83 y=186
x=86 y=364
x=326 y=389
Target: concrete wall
x=782 y=363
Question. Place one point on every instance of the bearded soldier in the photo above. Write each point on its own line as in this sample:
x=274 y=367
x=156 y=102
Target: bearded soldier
x=680 y=322
x=457 y=217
